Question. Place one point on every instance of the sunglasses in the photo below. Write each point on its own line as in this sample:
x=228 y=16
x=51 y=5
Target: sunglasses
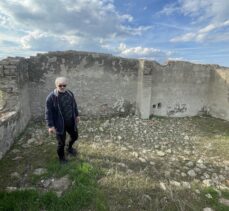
x=64 y=85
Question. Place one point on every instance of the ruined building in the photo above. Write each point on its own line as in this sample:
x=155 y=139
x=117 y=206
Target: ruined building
x=108 y=85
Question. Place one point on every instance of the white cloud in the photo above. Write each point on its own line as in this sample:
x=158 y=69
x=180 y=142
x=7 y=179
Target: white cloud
x=169 y=9
x=137 y=51
x=97 y=17
x=215 y=11
x=184 y=38
x=66 y=24
x=143 y=53
x=202 y=34
x=176 y=59
x=208 y=17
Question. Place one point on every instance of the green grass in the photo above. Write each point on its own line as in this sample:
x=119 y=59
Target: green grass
x=214 y=201
x=83 y=193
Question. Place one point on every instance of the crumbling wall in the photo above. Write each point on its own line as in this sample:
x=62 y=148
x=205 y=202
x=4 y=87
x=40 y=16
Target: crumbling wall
x=102 y=84
x=108 y=85
x=180 y=89
x=14 y=102
x=219 y=93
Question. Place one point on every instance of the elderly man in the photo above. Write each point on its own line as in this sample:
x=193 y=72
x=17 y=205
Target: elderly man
x=61 y=115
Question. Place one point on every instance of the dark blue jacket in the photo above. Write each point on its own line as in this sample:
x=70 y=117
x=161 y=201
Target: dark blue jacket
x=53 y=115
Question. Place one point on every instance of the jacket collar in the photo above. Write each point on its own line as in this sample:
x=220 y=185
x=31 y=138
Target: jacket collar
x=55 y=92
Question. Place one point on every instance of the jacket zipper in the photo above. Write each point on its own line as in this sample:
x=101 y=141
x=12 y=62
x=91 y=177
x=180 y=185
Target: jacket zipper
x=73 y=108
x=60 y=114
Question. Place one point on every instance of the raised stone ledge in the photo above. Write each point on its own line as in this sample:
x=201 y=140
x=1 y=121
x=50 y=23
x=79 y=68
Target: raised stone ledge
x=8 y=130
x=7 y=116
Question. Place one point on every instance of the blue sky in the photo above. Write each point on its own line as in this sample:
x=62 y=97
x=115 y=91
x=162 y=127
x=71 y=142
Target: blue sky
x=190 y=30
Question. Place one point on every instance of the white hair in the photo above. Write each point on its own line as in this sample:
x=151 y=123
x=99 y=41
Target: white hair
x=61 y=80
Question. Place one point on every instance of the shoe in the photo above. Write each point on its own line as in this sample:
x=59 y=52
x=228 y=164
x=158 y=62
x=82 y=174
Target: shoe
x=63 y=161
x=72 y=152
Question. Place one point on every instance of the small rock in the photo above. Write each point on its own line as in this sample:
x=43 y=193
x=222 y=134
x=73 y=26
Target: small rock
x=15 y=174
x=162 y=185
x=224 y=201
x=31 y=141
x=189 y=164
x=101 y=129
x=15 y=151
x=25 y=146
x=183 y=174
x=156 y=146
x=208 y=209
x=27 y=188
x=106 y=124
x=152 y=163
x=39 y=143
x=122 y=165
x=17 y=158
x=160 y=153
x=175 y=183
x=197 y=191
x=221 y=177
x=61 y=184
x=59 y=193
x=201 y=165
x=146 y=198
x=46 y=183
x=119 y=138
x=191 y=173
x=40 y=171
x=223 y=187
x=135 y=154
x=168 y=151
x=186 y=185
x=143 y=160
x=124 y=149
x=198 y=170
x=200 y=161
x=110 y=172
x=206 y=175
x=144 y=151
x=186 y=138
x=167 y=174
x=11 y=189
x=208 y=195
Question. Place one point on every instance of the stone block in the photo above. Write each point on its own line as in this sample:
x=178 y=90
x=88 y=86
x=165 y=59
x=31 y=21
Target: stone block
x=10 y=70
x=1 y=70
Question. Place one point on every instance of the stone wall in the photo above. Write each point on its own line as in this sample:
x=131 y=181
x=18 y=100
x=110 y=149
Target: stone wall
x=219 y=94
x=180 y=89
x=102 y=84
x=14 y=102
x=105 y=85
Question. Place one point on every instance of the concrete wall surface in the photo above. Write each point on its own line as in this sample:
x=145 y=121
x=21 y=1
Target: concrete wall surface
x=14 y=100
x=180 y=89
x=102 y=84
x=219 y=94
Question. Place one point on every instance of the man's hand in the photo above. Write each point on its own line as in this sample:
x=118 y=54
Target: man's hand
x=77 y=119
x=52 y=130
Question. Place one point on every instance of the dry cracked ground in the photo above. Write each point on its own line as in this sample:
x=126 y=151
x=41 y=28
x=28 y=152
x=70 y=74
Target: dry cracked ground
x=156 y=164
